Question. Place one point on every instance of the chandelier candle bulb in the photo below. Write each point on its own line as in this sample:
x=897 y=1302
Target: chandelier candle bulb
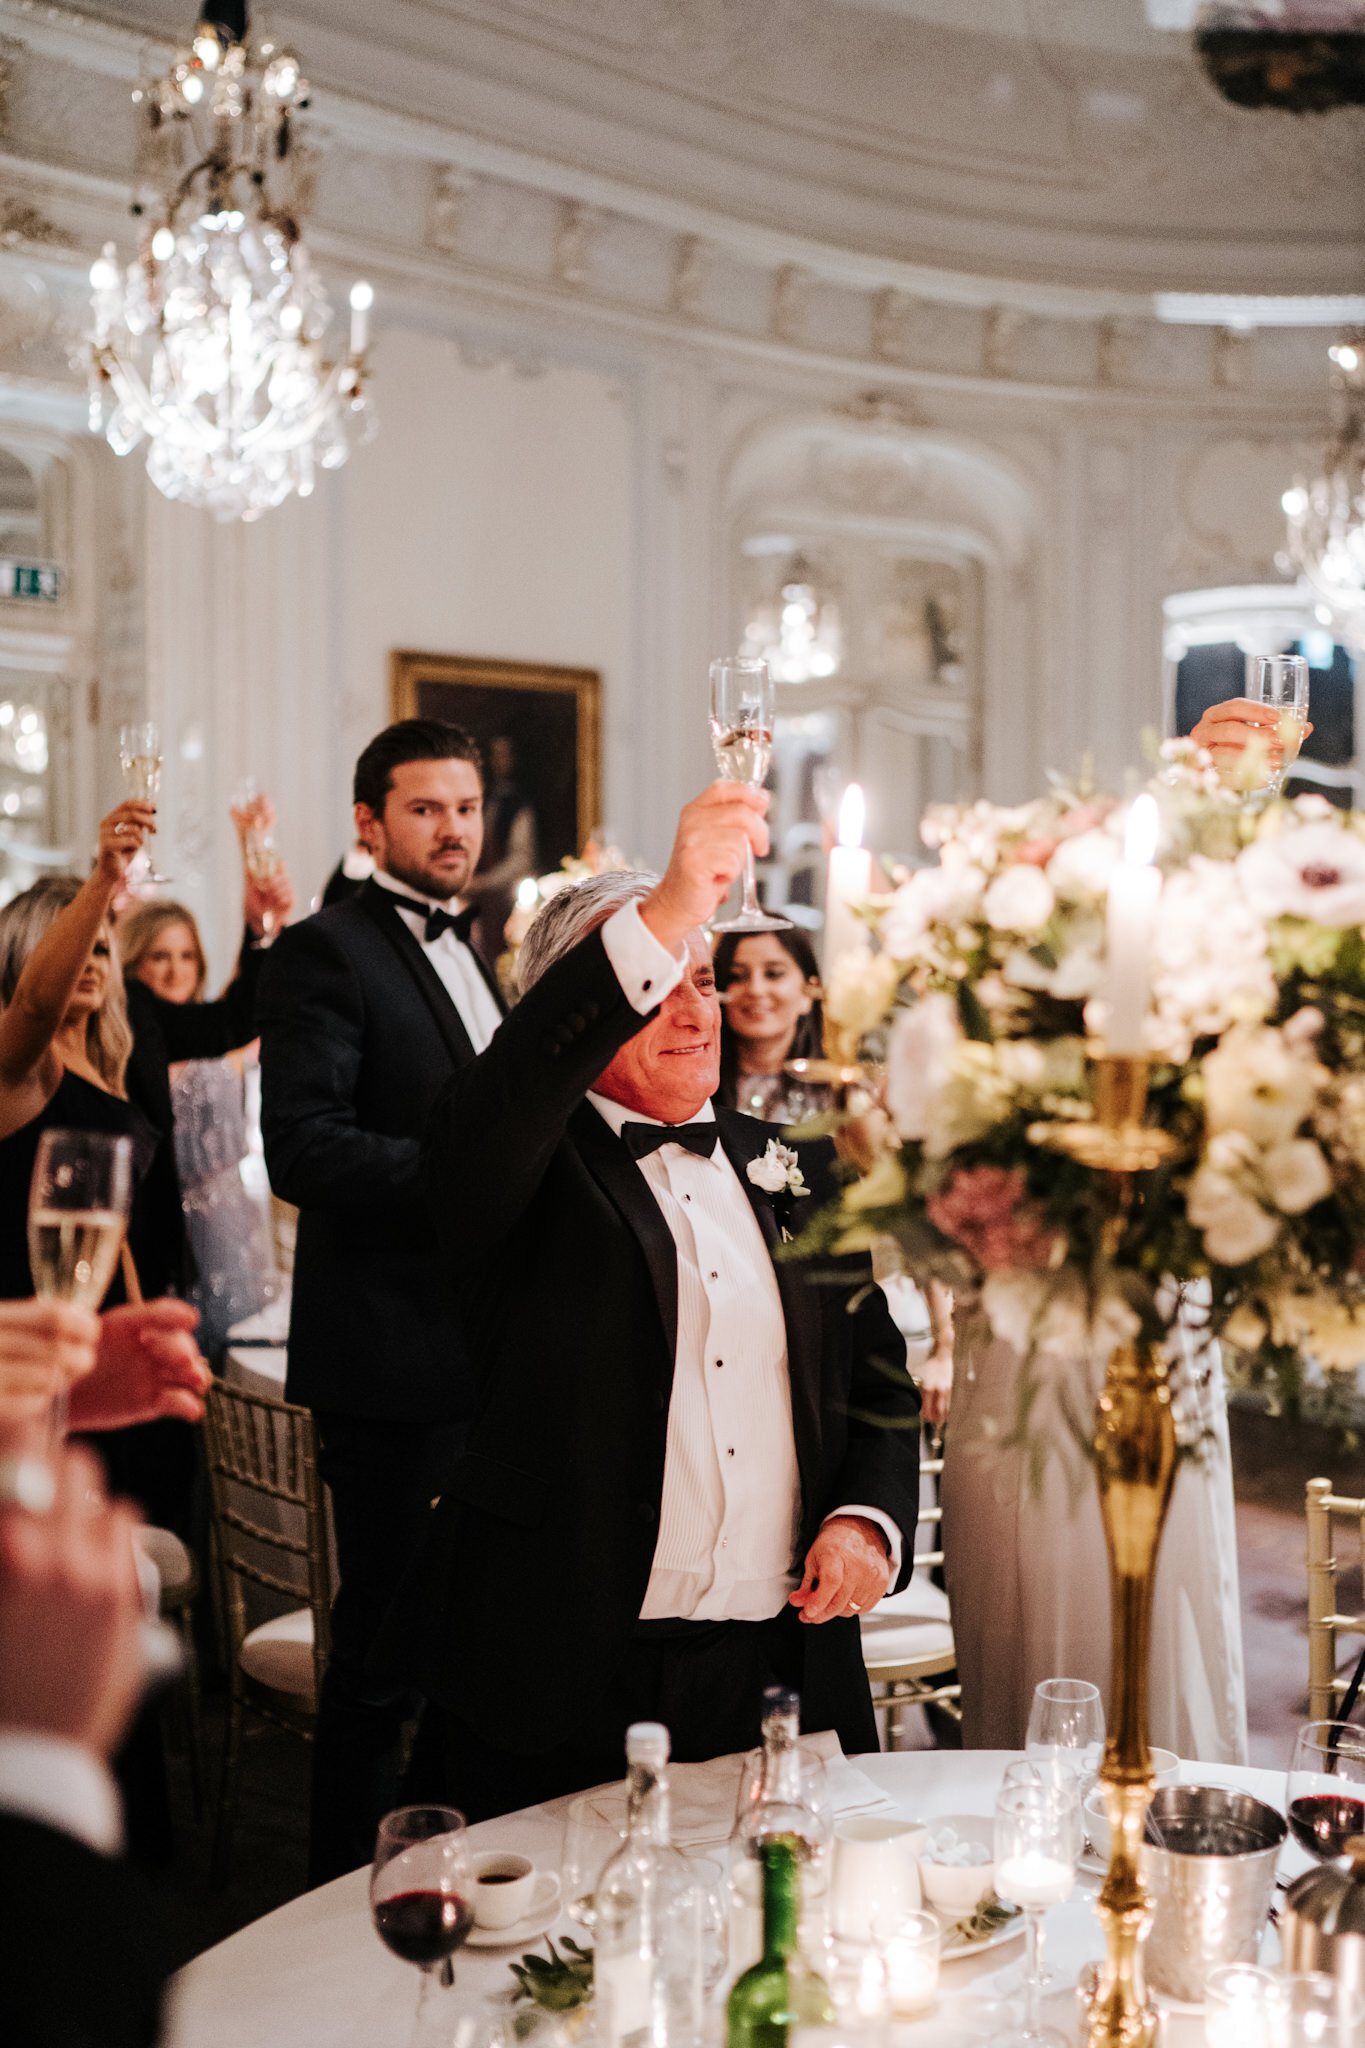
x=1134 y=892
x=849 y=883
x=362 y=298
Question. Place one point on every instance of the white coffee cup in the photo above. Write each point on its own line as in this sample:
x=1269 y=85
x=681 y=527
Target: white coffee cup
x=507 y=1887
x=876 y=1873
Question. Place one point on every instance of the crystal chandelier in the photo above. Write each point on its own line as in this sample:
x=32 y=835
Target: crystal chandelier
x=798 y=634
x=209 y=344
x=1325 y=537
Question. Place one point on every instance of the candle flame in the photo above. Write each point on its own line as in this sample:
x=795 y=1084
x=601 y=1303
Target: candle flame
x=851 y=813
x=1140 y=834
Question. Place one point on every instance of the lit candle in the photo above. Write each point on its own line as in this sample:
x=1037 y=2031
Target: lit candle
x=849 y=882
x=362 y=298
x=1035 y=1879
x=912 y=1964
x=1133 y=895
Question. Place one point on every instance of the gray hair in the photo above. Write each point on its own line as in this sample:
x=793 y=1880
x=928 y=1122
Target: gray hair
x=559 y=925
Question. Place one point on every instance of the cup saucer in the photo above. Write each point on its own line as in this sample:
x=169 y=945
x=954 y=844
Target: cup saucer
x=541 y=1918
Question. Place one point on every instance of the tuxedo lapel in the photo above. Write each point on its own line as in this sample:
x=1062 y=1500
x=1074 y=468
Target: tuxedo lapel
x=612 y=1167
x=381 y=906
x=744 y=1139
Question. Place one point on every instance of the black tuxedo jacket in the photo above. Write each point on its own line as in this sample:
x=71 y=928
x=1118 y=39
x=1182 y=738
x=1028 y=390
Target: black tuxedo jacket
x=84 y=1956
x=535 y=1567
x=358 y=1038
x=163 y=1032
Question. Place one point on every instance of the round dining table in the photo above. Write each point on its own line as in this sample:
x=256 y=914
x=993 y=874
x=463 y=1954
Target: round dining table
x=315 y=1974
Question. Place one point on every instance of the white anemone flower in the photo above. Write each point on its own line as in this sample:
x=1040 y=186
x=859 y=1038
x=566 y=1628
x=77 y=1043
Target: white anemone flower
x=1316 y=872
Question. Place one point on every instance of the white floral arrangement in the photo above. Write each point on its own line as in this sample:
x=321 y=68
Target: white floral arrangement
x=984 y=997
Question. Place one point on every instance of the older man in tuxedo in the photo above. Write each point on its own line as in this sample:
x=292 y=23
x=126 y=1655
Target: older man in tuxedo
x=692 y=1466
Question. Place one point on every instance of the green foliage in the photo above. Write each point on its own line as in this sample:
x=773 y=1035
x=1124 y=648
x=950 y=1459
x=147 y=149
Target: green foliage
x=560 y=1984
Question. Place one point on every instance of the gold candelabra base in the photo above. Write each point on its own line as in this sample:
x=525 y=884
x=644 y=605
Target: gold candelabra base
x=1116 y=1140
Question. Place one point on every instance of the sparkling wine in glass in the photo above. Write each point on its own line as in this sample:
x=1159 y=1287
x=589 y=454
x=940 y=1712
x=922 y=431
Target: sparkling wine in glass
x=421 y=1892
x=1281 y=680
x=1325 y=1793
x=742 y=715
x=77 y=1211
x=139 y=753
x=1035 y=1867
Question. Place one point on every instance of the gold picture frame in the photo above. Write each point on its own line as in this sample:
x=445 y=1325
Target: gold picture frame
x=553 y=716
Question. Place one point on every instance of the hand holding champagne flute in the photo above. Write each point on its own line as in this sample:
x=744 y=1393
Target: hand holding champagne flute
x=1281 y=681
x=139 y=752
x=743 y=708
x=77 y=1211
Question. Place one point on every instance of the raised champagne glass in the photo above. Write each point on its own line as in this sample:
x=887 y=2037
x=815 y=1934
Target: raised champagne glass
x=742 y=714
x=139 y=754
x=1281 y=680
x=77 y=1212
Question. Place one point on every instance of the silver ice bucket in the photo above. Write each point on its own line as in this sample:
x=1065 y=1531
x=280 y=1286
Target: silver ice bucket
x=1211 y=1884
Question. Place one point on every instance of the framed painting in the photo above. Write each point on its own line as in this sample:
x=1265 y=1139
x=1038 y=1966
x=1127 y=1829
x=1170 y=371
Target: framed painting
x=537 y=726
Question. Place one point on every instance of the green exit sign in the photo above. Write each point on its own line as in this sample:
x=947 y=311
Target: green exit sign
x=39 y=582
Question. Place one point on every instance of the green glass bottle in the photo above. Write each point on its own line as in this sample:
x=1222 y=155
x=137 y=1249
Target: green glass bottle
x=779 y=1990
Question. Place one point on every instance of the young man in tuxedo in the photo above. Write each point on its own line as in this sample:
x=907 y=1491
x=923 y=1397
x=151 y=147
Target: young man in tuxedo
x=366 y=1010
x=692 y=1466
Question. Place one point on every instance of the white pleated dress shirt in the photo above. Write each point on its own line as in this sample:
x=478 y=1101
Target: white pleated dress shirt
x=453 y=961
x=730 y=1516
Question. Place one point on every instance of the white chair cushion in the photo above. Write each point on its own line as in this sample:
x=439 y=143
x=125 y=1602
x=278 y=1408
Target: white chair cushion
x=921 y=1600
x=174 y=1566
x=906 y=1643
x=280 y=1653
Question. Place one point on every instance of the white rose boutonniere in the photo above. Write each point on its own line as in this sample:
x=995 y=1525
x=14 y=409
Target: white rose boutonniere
x=778 y=1172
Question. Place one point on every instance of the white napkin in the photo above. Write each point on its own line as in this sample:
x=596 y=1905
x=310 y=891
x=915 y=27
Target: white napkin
x=702 y=1797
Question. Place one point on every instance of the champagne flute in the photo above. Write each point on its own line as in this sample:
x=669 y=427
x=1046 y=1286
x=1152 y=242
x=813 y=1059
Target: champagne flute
x=1035 y=1867
x=421 y=1891
x=77 y=1210
x=1281 y=680
x=742 y=713
x=139 y=753
x=262 y=859
x=594 y=1829
x=1325 y=1792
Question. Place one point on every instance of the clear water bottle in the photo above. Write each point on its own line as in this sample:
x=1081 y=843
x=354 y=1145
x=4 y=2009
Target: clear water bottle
x=648 y=1977
x=785 y=1796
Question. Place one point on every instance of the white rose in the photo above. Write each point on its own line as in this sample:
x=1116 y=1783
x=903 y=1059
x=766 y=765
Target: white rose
x=1082 y=867
x=1020 y=900
x=1235 y=1226
x=859 y=990
x=767 y=1173
x=919 y=1061
x=1297 y=1175
x=1330 y=1331
x=941 y=895
x=1254 y=1084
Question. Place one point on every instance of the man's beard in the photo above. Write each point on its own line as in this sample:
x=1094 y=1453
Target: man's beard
x=438 y=887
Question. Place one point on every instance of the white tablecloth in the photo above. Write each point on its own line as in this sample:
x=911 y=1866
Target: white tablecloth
x=315 y=1974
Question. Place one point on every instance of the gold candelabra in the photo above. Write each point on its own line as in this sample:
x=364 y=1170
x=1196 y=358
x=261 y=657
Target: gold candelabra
x=1135 y=1466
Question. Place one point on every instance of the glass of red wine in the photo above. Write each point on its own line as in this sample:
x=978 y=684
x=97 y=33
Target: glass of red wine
x=1326 y=1790
x=421 y=1893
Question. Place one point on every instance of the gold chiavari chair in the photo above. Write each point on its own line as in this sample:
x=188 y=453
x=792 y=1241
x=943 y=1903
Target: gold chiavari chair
x=270 y=1532
x=1327 y=1682
x=907 y=1639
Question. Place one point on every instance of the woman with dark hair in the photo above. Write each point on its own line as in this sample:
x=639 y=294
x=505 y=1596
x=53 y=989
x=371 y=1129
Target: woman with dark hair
x=769 y=983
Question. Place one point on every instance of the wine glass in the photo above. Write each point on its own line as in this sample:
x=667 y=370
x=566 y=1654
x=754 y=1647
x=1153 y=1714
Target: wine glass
x=1281 y=680
x=1325 y=1792
x=1066 y=1725
x=1035 y=1867
x=742 y=713
x=139 y=754
x=78 y=1205
x=594 y=1829
x=421 y=1888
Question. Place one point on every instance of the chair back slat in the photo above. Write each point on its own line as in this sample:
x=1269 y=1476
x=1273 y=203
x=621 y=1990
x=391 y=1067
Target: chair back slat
x=1326 y=1623
x=267 y=1449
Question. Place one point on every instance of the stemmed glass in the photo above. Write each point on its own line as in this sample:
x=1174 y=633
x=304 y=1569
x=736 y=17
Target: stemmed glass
x=1325 y=1791
x=421 y=1887
x=1281 y=680
x=78 y=1203
x=742 y=714
x=1066 y=1726
x=1035 y=1867
x=139 y=754
x=594 y=1829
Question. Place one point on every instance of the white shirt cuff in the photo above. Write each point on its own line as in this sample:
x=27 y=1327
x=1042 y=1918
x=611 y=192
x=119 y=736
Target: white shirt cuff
x=645 y=969
x=48 y=1779
x=888 y=1529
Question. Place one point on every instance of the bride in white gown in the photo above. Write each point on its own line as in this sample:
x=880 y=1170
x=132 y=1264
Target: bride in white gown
x=1027 y=1568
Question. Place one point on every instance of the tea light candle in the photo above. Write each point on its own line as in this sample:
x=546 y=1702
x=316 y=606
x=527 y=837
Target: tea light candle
x=1242 y=2006
x=1133 y=895
x=1035 y=1879
x=849 y=882
x=912 y=1964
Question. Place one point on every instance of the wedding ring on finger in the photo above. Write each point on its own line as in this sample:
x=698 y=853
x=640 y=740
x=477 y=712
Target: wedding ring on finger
x=27 y=1483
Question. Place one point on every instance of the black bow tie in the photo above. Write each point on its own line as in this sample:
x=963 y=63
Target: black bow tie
x=642 y=1139
x=462 y=924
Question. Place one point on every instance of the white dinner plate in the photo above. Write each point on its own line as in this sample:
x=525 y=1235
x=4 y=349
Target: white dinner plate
x=960 y=1950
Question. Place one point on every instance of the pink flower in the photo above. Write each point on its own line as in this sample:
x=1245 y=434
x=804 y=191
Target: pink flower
x=985 y=1208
